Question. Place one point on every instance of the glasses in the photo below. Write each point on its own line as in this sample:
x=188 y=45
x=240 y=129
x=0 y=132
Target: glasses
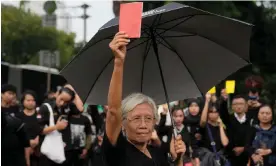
x=138 y=119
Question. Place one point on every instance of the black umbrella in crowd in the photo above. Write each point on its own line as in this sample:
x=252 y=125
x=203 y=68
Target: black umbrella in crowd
x=182 y=53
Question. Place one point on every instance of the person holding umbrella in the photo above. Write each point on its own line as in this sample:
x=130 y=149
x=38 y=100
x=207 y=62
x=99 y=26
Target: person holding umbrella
x=129 y=123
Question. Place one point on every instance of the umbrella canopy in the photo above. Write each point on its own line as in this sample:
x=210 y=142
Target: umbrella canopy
x=182 y=53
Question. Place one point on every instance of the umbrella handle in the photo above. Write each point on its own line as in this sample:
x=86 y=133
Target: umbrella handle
x=175 y=132
x=175 y=135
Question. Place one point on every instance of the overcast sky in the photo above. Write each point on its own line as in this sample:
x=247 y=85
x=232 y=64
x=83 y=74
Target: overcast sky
x=100 y=12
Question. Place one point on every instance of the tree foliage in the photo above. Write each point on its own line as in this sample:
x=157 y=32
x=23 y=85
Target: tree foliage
x=23 y=37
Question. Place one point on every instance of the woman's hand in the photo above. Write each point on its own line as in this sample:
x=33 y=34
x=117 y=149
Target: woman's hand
x=264 y=152
x=177 y=147
x=118 y=46
x=257 y=158
x=208 y=97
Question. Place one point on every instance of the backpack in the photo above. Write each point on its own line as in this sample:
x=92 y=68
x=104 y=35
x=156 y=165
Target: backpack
x=265 y=139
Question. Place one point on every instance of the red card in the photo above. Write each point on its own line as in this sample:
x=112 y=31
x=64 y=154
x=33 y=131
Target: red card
x=131 y=19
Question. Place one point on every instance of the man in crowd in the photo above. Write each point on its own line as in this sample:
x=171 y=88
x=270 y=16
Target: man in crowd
x=15 y=143
x=8 y=96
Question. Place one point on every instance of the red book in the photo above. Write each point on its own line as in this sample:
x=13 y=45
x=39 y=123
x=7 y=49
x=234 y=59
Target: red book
x=131 y=19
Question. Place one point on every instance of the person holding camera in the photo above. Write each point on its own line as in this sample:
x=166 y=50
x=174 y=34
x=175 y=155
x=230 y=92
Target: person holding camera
x=62 y=98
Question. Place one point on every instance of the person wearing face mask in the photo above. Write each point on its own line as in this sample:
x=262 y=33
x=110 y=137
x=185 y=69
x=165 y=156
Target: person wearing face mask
x=62 y=98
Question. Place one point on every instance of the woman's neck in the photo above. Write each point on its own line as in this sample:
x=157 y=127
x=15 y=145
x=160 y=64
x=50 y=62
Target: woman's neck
x=179 y=127
x=29 y=112
x=141 y=146
x=265 y=126
x=213 y=123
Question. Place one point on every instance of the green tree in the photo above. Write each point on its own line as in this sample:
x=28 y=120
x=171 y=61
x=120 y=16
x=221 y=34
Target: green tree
x=23 y=37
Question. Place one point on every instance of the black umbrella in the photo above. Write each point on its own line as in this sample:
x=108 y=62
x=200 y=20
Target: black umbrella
x=182 y=53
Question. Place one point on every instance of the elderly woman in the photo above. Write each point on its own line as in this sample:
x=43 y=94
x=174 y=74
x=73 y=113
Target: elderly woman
x=130 y=123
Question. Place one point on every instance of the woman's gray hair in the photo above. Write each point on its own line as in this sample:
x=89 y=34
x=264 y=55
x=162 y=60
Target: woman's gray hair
x=131 y=101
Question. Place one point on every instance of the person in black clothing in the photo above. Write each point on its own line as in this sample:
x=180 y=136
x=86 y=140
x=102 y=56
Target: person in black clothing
x=96 y=155
x=8 y=94
x=237 y=125
x=130 y=123
x=191 y=155
x=14 y=140
x=78 y=139
x=29 y=117
x=254 y=103
x=192 y=120
x=63 y=98
x=262 y=139
x=213 y=134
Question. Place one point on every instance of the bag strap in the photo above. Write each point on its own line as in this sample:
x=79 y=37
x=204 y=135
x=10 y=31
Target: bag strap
x=213 y=143
x=51 y=119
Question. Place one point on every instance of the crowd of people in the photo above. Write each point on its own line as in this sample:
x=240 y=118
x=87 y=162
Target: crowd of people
x=211 y=131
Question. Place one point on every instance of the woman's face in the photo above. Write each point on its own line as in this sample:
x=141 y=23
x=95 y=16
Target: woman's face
x=178 y=117
x=194 y=109
x=62 y=99
x=265 y=115
x=29 y=102
x=140 y=124
x=213 y=115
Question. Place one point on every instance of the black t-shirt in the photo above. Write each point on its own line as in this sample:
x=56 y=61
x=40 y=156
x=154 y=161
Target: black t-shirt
x=12 y=110
x=44 y=117
x=32 y=126
x=79 y=128
x=206 y=141
x=44 y=114
x=126 y=154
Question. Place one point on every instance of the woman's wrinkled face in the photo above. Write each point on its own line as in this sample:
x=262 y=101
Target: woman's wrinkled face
x=194 y=109
x=265 y=115
x=178 y=117
x=213 y=114
x=62 y=99
x=140 y=124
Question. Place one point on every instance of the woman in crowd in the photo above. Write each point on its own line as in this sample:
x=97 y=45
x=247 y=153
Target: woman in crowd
x=215 y=138
x=192 y=120
x=28 y=115
x=135 y=116
x=191 y=155
x=262 y=140
x=65 y=96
